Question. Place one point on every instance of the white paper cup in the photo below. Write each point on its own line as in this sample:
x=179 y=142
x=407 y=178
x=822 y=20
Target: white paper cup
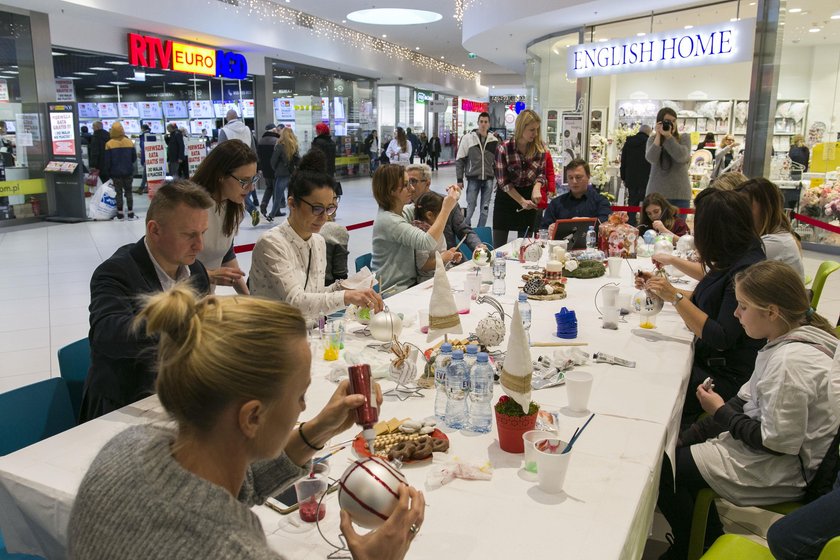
x=578 y=387
x=622 y=301
x=614 y=264
x=608 y=295
x=610 y=317
x=552 y=466
x=528 y=439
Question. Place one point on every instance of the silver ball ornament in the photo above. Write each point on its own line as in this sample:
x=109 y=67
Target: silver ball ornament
x=385 y=325
x=490 y=331
x=369 y=491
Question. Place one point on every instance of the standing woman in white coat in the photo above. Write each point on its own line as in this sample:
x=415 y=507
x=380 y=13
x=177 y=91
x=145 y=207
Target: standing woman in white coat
x=763 y=445
x=399 y=149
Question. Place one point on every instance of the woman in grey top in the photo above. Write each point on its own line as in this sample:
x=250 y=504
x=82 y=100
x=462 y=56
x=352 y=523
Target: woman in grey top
x=158 y=493
x=669 y=155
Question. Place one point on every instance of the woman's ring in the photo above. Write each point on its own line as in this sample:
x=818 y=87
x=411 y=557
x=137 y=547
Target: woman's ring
x=414 y=528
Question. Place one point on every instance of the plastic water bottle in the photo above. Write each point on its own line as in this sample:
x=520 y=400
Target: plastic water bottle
x=525 y=313
x=591 y=238
x=457 y=387
x=481 y=394
x=499 y=273
x=471 y=356
x=441 y=365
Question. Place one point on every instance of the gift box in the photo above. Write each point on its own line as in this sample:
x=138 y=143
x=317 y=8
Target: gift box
x=616 y=237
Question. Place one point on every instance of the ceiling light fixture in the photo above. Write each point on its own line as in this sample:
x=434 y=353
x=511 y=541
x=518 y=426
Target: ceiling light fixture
x=119 y=83
x=688 y=27
x=100 y=68
x=814 y=30
x=85 y=73
x=117 y=62
x=835 y=16
x=58 y=53
x=794 y=10
x=641 y=34
x=394 y=16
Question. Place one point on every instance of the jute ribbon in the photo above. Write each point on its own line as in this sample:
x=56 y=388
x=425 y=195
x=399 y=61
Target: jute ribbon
x=443 y=322
x=518 y=383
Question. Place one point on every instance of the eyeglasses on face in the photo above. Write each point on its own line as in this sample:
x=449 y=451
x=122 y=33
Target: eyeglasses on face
x=414 y=181
x=318 y=210
x=246 y=183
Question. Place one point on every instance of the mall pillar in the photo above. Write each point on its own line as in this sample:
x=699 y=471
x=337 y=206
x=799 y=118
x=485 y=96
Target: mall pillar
x=264 y=98
x=763 y=87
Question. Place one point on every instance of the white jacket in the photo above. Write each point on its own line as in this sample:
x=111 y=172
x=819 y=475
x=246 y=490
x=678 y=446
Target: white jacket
x=395 y=153
x=237 y=130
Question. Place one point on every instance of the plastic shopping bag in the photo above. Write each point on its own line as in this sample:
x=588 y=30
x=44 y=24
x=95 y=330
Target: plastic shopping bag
x=103 y=203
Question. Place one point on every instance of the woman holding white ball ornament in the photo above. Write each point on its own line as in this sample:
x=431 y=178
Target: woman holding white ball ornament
x=158 y=491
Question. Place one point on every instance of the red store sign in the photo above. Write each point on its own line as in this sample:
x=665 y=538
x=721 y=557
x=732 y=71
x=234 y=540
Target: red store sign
x=475 y=106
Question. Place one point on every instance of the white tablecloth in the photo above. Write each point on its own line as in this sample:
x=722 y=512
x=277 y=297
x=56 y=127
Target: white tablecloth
x=610 y=490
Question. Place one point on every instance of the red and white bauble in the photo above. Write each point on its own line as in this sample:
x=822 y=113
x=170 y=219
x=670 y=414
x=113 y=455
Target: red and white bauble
x=369 y=491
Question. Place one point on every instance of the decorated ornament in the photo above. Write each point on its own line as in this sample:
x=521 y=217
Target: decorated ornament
x=646 y=303
x=482 y=257
x=443 y=313
x=490 y=331
x=533 y=252
x=533 y=286
x=385 y=326
x=369 y=491
x=685 y=244
x=663 y=244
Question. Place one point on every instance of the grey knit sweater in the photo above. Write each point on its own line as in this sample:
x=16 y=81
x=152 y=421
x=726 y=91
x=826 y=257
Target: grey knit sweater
x=673 y=182
x=136 y=501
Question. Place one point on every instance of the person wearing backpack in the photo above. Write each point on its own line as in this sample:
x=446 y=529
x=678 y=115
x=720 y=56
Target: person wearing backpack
x=284 y=161
x=801 y=535
x=765 y=444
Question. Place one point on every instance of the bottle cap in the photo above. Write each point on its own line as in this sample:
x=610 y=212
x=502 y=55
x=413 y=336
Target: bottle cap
x=457 y=354
x=482 y=357
x=500 y=254
x=446 y=347
x=472 y=348
x=523 y=296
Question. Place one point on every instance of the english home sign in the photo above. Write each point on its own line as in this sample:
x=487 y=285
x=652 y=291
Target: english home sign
x=722 y=43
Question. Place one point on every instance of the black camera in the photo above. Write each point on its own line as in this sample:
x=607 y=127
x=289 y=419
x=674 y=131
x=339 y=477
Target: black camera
x=666 y=125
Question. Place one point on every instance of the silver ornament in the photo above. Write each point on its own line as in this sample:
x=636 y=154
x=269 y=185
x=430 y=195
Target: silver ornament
x=385 y=325
x=490 y=331
x=369 y=491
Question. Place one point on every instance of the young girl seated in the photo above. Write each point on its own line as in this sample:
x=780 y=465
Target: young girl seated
x=763 y=445
x=426 y=211
x=661 y=216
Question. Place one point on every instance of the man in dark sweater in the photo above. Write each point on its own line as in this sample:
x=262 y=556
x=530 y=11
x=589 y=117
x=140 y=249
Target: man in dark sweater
x=265 y=149
x=635 y=169
x=122 y=358
x=582 y=200
x=96 y=149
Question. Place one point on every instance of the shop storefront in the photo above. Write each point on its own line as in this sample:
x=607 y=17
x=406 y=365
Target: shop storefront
x=432 y=113
x=595 y=86
x=304 y=96
x=468 y=112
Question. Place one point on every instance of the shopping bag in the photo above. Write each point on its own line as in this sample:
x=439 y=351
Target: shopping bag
x=92 y=178
x=103 y=203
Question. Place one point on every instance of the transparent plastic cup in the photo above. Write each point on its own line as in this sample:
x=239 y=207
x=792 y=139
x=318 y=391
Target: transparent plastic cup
x=309 y=491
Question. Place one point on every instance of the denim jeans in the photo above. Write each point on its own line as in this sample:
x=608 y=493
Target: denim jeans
x=280 y=186
x=803 y=533
x=680 y=202
x=474 y=187
x=252 y=202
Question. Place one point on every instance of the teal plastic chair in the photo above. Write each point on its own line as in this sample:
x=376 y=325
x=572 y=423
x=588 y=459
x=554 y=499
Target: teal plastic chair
x=485 y=234
x=34 y=412
x=74 y=362
x=363 y=261
x=823 y=272
x=701 y=515
x=728 y=547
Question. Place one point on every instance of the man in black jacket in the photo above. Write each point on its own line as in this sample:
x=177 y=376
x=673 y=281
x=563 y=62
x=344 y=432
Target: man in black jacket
x=635 y=169
x=324 y=142
x=176 y=152
x=122 y=358
x=96 y=149
x=265 y=148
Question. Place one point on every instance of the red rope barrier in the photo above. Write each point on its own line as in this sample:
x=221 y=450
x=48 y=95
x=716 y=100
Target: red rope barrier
x=815 y=222
x=248 y=247
x=639 y=209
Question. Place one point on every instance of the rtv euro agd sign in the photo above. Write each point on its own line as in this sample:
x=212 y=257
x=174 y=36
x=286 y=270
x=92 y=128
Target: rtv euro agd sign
x=722 y=43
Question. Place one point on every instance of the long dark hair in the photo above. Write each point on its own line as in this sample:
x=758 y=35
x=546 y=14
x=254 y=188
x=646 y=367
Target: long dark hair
x=665 y=160
x=771 y=201
x=219 y=164
x=311 y=174
x=669 y=211
x=723 y=228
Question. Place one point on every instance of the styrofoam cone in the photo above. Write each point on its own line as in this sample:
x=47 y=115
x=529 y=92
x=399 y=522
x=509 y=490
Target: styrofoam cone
x=443 y=313
x=517 y=367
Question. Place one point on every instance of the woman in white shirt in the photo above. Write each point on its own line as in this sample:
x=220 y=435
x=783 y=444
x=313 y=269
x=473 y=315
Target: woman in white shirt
x=229 y=174
x=762 y=445
x=289 y=261
x=772 y=223
x=399 y=150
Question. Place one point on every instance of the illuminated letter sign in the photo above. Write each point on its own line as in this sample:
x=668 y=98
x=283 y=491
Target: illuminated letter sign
x=151 y=52
x=722 y=43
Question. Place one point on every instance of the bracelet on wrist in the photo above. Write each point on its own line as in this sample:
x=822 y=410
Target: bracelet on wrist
x=306 y=441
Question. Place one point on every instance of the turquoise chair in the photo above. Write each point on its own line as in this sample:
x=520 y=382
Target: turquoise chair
x=363 y=261
x=74 y=362
x=34 y=412
x=729 y=547
x=485 y=234
x=700 y=517
x=825 y=269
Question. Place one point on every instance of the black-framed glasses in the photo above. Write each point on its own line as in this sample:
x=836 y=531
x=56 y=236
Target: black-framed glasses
x=317 y=209
x=413 y=181
x=246 y=183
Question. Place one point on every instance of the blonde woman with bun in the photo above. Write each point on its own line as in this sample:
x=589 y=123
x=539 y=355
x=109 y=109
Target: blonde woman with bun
x=185 y=490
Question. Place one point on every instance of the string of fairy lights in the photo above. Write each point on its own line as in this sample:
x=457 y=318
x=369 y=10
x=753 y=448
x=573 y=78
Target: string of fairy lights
x=322 y=28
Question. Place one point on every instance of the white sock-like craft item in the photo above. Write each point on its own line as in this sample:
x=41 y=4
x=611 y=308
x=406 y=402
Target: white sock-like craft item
x=517 y=367
x=443 y=313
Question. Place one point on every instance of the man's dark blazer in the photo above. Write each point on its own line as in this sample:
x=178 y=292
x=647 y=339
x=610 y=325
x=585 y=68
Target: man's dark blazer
x=122 y=361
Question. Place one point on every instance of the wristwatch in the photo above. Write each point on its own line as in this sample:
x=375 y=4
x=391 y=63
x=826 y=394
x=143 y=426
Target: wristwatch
x=678 y=298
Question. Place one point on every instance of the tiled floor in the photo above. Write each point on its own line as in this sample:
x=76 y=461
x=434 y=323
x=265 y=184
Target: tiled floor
x=44 y=294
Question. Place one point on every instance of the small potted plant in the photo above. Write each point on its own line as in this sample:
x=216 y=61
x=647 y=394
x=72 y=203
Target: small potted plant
x=512 y=422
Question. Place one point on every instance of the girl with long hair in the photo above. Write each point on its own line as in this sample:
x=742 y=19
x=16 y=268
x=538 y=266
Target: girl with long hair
x=662 y=216
x=284 y=161
x=399 y=150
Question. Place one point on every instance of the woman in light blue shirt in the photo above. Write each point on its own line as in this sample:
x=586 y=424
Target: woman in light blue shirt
x=394 y=238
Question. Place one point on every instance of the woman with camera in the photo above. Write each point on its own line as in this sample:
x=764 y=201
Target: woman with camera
x=669 y=154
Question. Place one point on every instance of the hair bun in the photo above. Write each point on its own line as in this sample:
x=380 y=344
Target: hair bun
x=171 y=313
x=314 y=160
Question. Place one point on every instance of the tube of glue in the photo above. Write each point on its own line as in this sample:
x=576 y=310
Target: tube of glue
x=368 y=414
x=602 y=358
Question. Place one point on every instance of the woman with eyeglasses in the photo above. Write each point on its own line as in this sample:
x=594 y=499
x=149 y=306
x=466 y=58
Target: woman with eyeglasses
x=394 y=238
x=290 y=260
x=669 y=155
x=228 y=173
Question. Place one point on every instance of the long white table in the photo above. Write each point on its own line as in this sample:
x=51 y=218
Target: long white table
x=610 y=491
